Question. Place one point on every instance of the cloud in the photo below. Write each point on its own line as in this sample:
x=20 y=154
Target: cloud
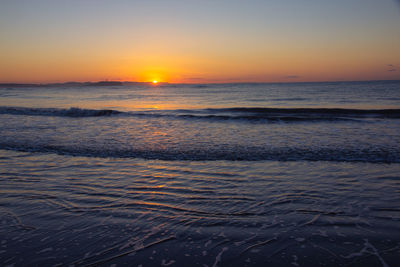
x=194 y=79
x=391 y=68
x=292 y=77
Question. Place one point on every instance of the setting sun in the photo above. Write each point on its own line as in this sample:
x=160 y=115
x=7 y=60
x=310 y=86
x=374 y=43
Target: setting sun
x=155 y=82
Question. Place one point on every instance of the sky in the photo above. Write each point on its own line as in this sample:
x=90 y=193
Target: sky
x=188 y=41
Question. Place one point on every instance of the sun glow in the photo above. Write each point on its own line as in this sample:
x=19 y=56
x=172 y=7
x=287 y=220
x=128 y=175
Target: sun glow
x=155 y=82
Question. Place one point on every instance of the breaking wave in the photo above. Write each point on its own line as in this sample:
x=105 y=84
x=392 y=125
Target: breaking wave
x=71 y=112
x=234 y=153
x=239 y=113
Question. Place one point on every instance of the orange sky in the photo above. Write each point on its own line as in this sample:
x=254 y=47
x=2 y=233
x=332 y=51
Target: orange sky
x=224 y=41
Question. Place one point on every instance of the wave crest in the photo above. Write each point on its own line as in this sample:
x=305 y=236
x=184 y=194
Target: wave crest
x=71 y=112
x=218 y=114
x=213 y=154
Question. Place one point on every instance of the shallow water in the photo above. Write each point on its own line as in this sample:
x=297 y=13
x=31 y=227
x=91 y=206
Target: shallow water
x=216 y=175
x=63 y=209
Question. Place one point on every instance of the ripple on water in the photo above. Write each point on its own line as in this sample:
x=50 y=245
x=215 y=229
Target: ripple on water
x=118 y=211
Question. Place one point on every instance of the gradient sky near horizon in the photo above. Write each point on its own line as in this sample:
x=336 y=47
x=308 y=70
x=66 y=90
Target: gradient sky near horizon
x=199 y=41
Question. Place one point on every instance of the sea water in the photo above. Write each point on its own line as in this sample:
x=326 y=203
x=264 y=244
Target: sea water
x=200 y=175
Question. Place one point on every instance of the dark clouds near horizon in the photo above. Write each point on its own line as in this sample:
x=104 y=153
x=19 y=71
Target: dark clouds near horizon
x=391 y=68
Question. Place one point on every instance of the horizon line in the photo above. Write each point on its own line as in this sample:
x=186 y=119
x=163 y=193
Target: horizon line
x=117 y=82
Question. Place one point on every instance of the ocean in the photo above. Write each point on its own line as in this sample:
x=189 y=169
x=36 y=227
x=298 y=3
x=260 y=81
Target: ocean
x=292 y=174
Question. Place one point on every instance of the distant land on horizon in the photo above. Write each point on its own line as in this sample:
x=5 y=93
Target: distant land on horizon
x=121 y=83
